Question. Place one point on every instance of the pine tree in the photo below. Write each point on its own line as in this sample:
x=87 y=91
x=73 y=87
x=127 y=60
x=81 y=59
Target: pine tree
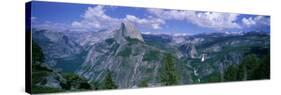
x=248 y=66
x=231 y=74
x=169 y=75
x=108 y=82
x=263 y=70
x=251 y=68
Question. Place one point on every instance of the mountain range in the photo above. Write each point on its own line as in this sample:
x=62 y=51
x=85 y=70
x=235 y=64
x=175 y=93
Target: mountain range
x=136 y=59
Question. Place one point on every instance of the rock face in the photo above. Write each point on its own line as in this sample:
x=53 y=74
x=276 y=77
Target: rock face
x=189 y=50
x=127 y=29
x=125 y=56
x=133 y=58
x=60 y=51
x=55 y=44
x=90 y=38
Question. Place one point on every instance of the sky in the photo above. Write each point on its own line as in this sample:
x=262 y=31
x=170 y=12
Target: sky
x=83 y=17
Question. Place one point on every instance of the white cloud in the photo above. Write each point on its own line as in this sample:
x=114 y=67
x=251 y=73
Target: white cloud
x=171 y=14
x=213 y=20
x=217 y=20
x=154 y=23
x=94 y=19
x=248 y=21
x=255 y=21
x=58 y=27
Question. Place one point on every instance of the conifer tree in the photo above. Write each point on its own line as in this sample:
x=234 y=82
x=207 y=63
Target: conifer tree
x=169 y=75
x=108 y=82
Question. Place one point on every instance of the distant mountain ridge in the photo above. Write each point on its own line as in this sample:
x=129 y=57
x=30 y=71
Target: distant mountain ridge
x=136 y=58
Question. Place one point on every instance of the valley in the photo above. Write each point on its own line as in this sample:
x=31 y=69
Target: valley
x=127 y=58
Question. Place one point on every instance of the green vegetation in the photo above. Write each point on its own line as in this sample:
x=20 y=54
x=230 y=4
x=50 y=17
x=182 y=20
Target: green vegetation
x=158 y=43
x=163 y=65
x=169 y=74
x=125 y=52
x=108 y=82
x=143 y=83
x=152 y=55
x=231 y=74
x=39 y=71
x=37 y=53
x=74 y=81
x=38 y=89
x=263 y=70
x=68 y=81
x=215 y=77
x=132 y=41
x=251 y=68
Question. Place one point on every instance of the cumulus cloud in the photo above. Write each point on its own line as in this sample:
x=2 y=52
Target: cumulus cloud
x=95 y=18
x=255 y=21
x=213 y=20
x=154 y=23
x=217 y=20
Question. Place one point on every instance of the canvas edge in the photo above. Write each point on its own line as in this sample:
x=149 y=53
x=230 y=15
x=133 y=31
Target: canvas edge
x=28 y=47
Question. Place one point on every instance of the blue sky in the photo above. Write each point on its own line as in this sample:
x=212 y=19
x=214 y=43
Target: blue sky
x=82 y=17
